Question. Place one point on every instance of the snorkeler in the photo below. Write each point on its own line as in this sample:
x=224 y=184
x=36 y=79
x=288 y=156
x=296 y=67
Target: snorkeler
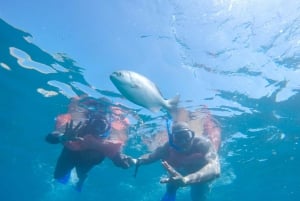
x=190 y=159
x=87 y=133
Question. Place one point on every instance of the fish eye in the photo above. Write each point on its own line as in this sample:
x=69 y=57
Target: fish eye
x=118 y=74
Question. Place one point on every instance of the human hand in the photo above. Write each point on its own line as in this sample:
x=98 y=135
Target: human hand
x=124 y=161
x=129 y=161
x=71 y=134
x=175 y=177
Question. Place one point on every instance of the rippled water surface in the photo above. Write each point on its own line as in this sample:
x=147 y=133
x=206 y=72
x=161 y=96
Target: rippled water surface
x=240 y=59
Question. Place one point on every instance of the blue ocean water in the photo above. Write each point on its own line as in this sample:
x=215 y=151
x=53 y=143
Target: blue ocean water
x=253 y=93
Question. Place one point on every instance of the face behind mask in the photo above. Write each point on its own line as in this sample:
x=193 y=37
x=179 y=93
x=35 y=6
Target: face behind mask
x=182 y=136
x=98 y=125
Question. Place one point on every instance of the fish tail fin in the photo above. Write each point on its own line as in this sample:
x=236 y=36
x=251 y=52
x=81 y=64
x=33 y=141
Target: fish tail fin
x=172 y=104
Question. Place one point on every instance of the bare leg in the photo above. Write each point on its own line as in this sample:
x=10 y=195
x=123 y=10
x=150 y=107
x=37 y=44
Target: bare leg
x=65 y=163
x=199 y=192
x=170 y=194
x=87 y=160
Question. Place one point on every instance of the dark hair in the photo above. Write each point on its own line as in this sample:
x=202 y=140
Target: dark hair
x=181 y=125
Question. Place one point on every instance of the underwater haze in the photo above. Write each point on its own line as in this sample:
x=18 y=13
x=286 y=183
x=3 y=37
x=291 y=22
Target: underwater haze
x=240 y=59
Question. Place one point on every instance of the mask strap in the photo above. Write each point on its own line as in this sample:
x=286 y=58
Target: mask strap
x=108 y=129
x=170 y=135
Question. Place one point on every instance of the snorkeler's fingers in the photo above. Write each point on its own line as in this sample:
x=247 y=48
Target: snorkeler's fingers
x=79 y=138
x=166 y=165
x=170 y=169
x=78 y=127
x=67 y=128
x=71 y=124
x=164 y=180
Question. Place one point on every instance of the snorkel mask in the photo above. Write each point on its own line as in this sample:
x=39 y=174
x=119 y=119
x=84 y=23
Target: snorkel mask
x=181 y=136
x=99 y=126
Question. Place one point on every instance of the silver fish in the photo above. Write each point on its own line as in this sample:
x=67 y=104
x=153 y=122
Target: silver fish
x=141 y=91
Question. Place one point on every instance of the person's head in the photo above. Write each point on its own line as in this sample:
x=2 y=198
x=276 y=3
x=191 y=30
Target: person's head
x=182 y=136
x=94 y=105
x=98 y=125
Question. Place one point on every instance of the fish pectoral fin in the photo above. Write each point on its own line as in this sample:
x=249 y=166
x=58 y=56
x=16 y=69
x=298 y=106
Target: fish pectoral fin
x=155 y=109
x=134 y=85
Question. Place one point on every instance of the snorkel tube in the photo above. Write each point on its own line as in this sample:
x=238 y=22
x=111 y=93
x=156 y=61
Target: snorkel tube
x=170 y=135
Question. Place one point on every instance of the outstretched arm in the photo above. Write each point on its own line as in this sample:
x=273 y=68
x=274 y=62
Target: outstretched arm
x=54 y=137
x=70 y=133
x=157 y=154
x=124 y=161
x=210 y=171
